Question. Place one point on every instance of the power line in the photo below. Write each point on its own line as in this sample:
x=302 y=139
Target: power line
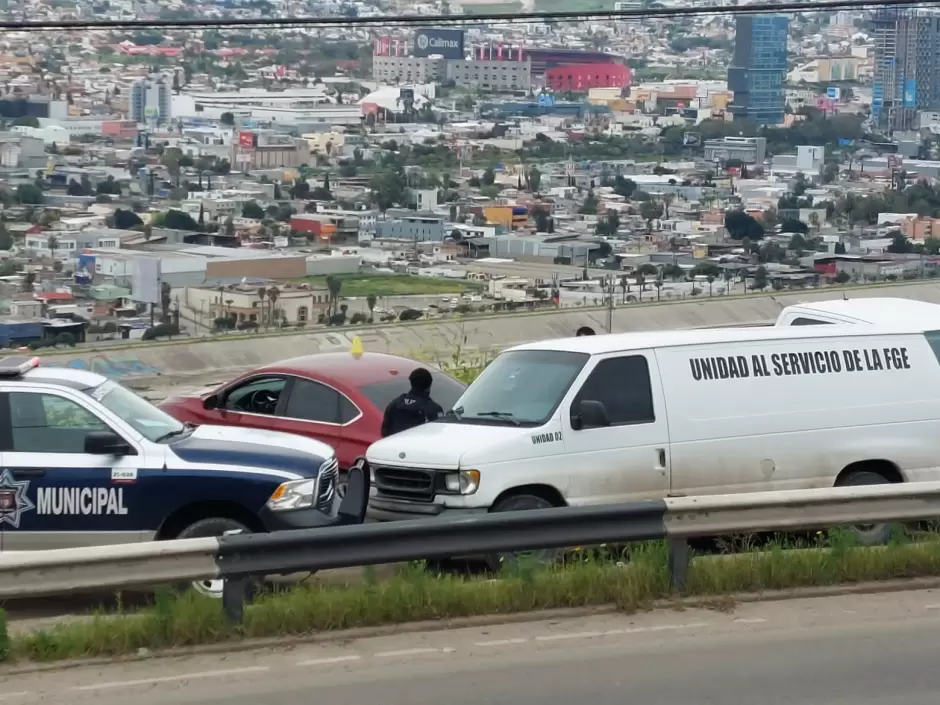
x=426 y=20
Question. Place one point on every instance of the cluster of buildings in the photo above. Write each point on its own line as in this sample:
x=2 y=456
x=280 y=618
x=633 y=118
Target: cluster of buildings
x=193 y=174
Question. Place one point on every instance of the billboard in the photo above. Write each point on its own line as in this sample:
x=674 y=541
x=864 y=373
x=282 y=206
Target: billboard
x=85 y=271
x=145 y=280
x=446 y=42
x=246 y=139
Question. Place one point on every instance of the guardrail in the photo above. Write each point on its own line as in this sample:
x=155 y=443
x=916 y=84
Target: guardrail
x=237 y=558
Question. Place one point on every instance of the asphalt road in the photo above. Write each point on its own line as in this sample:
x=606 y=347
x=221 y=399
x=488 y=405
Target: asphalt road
x=862 y=650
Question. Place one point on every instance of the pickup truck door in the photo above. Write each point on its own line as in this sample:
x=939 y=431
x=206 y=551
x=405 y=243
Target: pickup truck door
x=52 y=493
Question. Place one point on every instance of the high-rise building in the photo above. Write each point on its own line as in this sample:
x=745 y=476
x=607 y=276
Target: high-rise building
x=907 y=66
x=150 y=100
x=758 y=69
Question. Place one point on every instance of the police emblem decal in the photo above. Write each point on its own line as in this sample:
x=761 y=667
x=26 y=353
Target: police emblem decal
x=13 y=499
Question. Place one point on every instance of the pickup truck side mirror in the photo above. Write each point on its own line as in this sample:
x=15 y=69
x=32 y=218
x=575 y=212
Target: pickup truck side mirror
x=211 y=402
x=106 y=443
x=589 y=413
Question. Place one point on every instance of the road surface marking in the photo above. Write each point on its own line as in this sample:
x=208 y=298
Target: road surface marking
x=324 y=661
x=10 y=696
x=500 y=642
x=744 y=620
x=169 y=679
x=672 y=627
x=558 y=637
x=932 y=607
x=411 y=652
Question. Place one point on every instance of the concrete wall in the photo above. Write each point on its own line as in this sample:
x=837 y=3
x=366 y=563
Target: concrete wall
x=166 y=365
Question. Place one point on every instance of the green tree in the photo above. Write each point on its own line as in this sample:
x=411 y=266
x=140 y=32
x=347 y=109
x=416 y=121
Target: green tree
x=589 y=207
x=26 y=121
x=792 y=225
x=252 y=210
x=534 y=178
x=178 y=220
x=742 y=226
x=760 y=279
x=899 y=243
x=28 y=194
x=227 y=119
x=650 y=211
x=126 y=219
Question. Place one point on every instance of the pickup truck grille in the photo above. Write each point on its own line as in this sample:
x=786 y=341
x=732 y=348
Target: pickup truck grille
x=326 y=485
x=404 y=483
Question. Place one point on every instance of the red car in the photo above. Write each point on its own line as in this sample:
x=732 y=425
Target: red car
x=338 y=398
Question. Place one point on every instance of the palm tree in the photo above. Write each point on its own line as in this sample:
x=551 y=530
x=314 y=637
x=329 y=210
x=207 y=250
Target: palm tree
x=711 y=279
x=334 y=285
x=370 y=301
x=53 y=244
x=640 y=282
x=273 y=295
x=262 y=292
x=659 y=285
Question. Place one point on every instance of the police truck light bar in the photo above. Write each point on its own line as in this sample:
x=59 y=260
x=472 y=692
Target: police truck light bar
x=17 y=365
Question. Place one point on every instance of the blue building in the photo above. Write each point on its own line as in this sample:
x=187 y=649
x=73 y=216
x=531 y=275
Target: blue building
x=758 y=69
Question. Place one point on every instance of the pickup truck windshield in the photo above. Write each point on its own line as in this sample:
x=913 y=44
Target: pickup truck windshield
x=144 y=417
x=521 y=388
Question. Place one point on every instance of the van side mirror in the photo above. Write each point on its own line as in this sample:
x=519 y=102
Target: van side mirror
x=589 y=413
x=211 y=402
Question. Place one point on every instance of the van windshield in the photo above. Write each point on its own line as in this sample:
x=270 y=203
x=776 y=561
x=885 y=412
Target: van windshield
x=521 y=388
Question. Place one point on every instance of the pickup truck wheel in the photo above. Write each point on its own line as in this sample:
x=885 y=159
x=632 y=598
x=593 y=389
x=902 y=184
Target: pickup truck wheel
x=868 y=534
x=206 y=528
x=521 y=503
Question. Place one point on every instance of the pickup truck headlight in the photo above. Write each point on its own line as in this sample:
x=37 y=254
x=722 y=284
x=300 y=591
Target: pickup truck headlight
x=463 y=482
x=296 y=494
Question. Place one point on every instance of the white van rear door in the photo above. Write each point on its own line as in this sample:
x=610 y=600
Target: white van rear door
x=629 y=459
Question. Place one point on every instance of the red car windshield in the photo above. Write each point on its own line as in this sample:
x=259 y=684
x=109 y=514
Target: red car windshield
x=444 y=390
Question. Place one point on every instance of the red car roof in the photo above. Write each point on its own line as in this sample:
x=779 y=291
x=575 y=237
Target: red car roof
x=345 y=368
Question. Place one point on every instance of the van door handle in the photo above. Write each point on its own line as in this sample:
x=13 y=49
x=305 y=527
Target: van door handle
x=661 y=453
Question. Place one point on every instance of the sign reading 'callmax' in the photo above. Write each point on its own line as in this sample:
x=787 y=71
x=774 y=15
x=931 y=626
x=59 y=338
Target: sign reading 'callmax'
x=817 y=362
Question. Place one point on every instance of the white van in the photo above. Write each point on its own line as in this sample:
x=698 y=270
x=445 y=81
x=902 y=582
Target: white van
x=615 y=418
x=878 y=311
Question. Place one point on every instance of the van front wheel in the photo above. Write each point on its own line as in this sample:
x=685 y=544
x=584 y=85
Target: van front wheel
x=868 y=534
x=521 y=503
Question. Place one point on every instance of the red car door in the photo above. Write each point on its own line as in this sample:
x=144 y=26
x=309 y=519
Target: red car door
x=319 y=411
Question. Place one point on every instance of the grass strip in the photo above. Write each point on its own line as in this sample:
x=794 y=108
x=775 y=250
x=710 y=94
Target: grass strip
x=415 y=594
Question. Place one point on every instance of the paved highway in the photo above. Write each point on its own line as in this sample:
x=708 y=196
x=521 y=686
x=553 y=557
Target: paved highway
x=861 y=650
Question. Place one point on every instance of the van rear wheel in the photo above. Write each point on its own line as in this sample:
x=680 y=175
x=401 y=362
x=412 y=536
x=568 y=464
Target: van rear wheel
x=521 y=503
x=868 y=534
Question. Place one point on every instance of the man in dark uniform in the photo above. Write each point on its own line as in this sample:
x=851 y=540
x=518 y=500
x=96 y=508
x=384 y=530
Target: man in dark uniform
x=412 y=408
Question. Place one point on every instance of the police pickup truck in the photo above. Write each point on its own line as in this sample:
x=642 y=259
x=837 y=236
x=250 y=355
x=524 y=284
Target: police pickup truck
x=85 y=461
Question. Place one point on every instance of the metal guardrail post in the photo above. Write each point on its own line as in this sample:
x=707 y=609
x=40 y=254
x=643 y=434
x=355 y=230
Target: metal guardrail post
x=678 y=563
x=234 y=592
x=234 y=596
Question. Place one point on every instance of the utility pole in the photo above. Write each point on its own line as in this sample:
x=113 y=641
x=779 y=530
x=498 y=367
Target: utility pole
x=610 y=303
